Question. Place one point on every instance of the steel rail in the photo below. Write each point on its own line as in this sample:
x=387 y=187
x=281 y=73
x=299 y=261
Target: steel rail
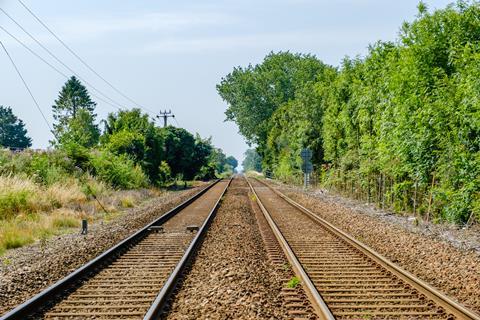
x=156 y=308
x=318 y=304
x=441 y=299
x=43 y=298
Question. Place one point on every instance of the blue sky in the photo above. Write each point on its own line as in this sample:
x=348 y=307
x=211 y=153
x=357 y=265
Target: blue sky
x=171 y=54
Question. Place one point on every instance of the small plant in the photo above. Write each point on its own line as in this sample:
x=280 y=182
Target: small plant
x=6 y=261
x=127 y=202
x=64 y=222
x=253 y=197
x=286 y=267
x=12 y=240
x=293 y=282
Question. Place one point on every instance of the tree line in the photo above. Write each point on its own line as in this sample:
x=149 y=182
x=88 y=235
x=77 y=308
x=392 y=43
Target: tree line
x=399 y=126
x=130 y=151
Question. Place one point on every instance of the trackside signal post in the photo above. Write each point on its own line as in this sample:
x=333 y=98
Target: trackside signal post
x=307 y=166
x=165 y=115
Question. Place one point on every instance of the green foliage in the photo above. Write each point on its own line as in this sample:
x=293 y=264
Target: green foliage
x=12 y=130
x=74 y=115
x=117 y=170
x=293 y=282
x=399 y=127
x=255 y=92
x=131 y=133
x=232 y=162
x=252 y=161
x=164 y=173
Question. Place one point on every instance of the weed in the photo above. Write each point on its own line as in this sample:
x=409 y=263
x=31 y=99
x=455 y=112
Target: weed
x=293 y=282
x=12 y=240
x=64 y=222
x=286 y=267
x=127 y=202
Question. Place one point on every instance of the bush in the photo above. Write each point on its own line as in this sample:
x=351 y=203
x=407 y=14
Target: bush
x=16 y=195
x=119 y=171
x=164 y=173
x=50 y=167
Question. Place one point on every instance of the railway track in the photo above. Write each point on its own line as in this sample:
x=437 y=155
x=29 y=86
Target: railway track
x=343 y=278
x=133 y=279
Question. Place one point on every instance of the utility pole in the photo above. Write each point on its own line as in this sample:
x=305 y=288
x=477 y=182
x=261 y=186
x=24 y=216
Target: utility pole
x=165 y=115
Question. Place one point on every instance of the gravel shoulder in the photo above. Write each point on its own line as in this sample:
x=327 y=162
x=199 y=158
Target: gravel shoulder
x=231 y=276
x=26 y=271
x=446 y=257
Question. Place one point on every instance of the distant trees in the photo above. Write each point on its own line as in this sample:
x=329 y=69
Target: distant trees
x=132 y=151
x=399 y=127
x=252 y=161
x=12 y=130
x=74 y=114
x=232 y=162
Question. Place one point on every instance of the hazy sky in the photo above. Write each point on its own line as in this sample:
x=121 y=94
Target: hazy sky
x=171 y=54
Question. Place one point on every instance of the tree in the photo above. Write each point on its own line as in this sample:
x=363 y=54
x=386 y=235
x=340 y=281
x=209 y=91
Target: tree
x=399 y=126
x=232 y=162
x=131 y=133
x=255 y=92
x=252 y=161
x=180 y=152
x=74 y=112
x=12 y=130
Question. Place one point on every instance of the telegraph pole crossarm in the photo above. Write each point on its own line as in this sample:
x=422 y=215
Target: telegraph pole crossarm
x=165 y=114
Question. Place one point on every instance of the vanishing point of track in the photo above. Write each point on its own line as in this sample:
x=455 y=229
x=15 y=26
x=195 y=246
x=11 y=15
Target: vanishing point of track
x=133 y=279
x=343 y=278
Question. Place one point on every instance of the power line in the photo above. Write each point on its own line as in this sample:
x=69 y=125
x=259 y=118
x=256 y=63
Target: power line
x=56 y=58
x=50 y=65
x=175 y=119
x=26 y=86
x=80 y=59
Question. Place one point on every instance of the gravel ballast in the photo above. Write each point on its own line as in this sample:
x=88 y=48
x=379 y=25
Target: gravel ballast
x=452 y=269
x=26 y=271
x=231 y=276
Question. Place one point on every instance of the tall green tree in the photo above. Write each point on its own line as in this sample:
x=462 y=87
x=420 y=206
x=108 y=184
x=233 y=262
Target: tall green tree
x=254 y=93
x=74 y=114
x=12 y=130
x=399 y=126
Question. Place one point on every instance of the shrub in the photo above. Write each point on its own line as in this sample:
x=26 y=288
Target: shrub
x=164 y=173
x=16 y=195
x=50 y=167
x=119 y=171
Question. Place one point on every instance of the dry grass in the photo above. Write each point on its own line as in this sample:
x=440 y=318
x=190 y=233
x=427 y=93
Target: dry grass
x=31 y=212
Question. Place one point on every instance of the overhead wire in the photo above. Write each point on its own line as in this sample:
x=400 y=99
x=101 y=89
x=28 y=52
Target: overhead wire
x=26 y=86
x=178 y=124
x=57 y=59
x=50 y=65
x=80 y=59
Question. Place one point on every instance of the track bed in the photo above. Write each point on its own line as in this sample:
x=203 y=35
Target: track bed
x=353 y=283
